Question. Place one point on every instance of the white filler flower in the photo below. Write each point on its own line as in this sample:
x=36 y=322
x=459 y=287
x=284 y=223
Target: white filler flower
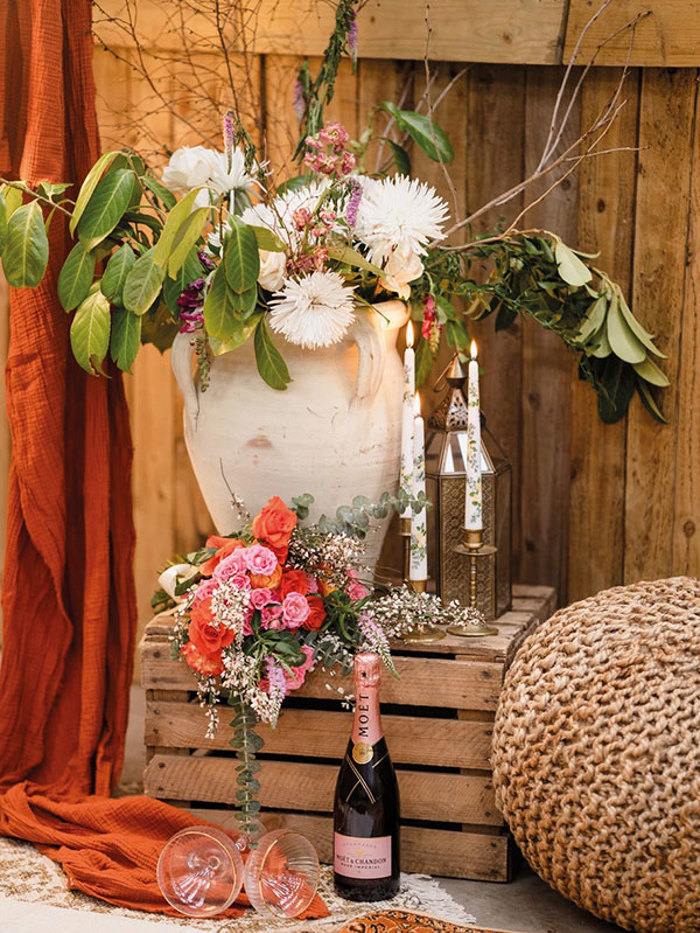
x=396 y=218
x=313 y=311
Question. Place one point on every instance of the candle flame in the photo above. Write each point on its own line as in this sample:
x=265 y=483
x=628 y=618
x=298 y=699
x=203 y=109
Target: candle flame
x=409 y=334
x=416 y=404
x=472 y=349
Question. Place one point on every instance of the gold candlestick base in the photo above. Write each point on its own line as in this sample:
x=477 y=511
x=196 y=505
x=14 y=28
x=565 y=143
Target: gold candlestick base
x=472 y=629
x=474 y=626
x=423 y=634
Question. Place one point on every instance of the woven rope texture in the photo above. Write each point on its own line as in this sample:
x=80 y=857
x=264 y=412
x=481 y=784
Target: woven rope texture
x=596 y=757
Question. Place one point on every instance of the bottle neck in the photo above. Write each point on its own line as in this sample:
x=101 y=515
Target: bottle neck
x=367 y=725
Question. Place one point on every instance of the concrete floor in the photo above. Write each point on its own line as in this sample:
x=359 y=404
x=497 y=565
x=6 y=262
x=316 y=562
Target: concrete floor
x=526 y=905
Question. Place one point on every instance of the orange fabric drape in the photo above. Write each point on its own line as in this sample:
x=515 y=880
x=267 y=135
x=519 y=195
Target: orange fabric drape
x=69 y=611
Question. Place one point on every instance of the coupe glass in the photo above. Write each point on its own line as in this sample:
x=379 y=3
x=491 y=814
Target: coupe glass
x=200 y=872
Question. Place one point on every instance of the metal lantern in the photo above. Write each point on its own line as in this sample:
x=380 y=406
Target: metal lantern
x=445 y=468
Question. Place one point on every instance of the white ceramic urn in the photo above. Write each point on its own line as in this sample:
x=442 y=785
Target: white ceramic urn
x=334 y=432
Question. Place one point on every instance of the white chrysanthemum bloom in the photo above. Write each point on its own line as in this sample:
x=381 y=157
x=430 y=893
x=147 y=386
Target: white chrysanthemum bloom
x=396 y=218
x=313 y=311
x=224 y=179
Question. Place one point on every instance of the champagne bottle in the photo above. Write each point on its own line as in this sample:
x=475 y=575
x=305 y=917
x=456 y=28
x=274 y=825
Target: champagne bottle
x=366 y=810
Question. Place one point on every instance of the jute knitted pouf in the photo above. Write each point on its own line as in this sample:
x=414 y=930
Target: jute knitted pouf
x=596 y=754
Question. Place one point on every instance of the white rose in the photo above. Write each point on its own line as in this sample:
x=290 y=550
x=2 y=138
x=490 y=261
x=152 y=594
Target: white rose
x=189 y=167
x=402 y=267
x=272 y=266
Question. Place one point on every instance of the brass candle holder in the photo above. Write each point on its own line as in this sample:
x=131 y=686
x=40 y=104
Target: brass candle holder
x=473 y=548
x=426 y=633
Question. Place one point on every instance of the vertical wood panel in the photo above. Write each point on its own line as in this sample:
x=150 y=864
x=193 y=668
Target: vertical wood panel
x=605 y=224
x=663 y=190
x=547 y=368
x=495 y=163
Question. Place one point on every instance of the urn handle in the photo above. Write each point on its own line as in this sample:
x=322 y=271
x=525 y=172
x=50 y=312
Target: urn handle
x=371 y=345
x=181 y=362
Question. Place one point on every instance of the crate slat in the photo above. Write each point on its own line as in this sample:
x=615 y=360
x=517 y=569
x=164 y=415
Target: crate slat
x=425 y=795
x=451 y=854
x=324 y=734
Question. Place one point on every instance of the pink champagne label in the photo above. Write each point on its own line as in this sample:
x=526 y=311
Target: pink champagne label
x=362 y=858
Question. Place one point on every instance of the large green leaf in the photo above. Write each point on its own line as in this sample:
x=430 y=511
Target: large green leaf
x=572 y=269
x=142 y=284
x=241 y=259
x=271 y=366
x=89 y=332
x=221 y=308
x=126 y=338
x=26 y=250
x=402 y=160
x=106 y=207
x=166 y=196
x=119 y=266
x=424 y=362
x=268 y=240
x=76 y=277
x=158 y=327
x=3 y=221
x=241 y=333
x=13 y=199
x=623 y=342
x=176 y=218
x=649 y=401
x=431 y=138
x=89 y=185
x=615 y=387
x=352 y=257
x=189 y=272
x=187 y=235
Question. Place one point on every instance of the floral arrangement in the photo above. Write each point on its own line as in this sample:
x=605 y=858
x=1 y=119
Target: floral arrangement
x=236 y=256
x=257 y=611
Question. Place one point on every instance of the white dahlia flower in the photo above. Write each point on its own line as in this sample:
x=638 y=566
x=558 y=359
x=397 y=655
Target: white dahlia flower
x=396 y=218
x=313 y=311
x=196 y=166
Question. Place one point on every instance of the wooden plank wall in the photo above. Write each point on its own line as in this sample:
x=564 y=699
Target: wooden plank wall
x=595 y=505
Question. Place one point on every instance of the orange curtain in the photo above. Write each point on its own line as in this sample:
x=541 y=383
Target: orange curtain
x=69 y=611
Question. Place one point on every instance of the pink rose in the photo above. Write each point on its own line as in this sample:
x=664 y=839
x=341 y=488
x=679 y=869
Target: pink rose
x=295 y=610
x=298 y=676
x=271 y=617
x=247 y=627
x=260 y=560
x=233 y=565
x=356 y=590
x=204 y=591
x=312 y=583
x=262 y=597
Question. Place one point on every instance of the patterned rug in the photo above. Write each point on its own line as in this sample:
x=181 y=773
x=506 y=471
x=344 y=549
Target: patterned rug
x=34 y=896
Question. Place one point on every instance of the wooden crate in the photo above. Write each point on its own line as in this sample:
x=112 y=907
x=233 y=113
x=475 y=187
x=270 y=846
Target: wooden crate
x=438 y=721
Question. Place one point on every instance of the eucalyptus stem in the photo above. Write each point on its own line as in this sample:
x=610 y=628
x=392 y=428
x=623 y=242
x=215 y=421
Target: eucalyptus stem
x=246 y=743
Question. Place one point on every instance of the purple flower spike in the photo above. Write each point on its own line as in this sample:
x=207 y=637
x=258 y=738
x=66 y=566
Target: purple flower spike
x=353 y=204
x=298 y=99
x=352 y=39
x=228 y=130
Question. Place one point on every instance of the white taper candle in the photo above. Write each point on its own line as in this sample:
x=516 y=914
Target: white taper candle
x=473 y=520
x=407 y=426
x=419 y=527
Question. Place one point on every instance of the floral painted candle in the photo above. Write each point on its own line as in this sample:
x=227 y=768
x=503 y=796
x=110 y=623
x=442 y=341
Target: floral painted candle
x=419 y=535
x=407 y=419
x=473 y=520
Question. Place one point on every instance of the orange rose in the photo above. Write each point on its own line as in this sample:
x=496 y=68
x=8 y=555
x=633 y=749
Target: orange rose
x=257 y=580
x=293 y=581
x=208 y=664
x=225 y=547
x=317 y=614
x=274 y=525
x=325 y=588
x=205 y=634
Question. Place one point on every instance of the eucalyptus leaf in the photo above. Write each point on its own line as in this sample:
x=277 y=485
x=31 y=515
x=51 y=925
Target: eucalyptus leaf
x=594 y=319
x=187 y=235
x=126 y=338
x=572 y=269
x=623 y=342
x=106 y=206
x=26 y=251
x=639 y=332
x=89 y=332
x=142 y=284
x=650 y=372
x=119 y=266
x=271 y=366
x=241 y=259
x=75 y=278
x=649 y=402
